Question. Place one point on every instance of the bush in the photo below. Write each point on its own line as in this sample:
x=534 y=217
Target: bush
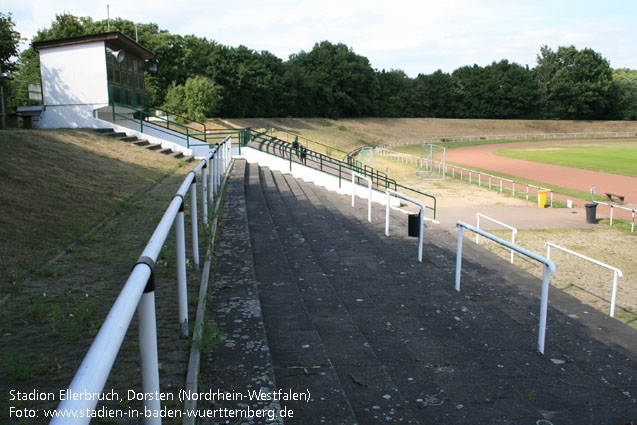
x=197 y=99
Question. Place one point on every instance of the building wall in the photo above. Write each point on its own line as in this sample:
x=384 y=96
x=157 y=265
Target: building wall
x=73 y=84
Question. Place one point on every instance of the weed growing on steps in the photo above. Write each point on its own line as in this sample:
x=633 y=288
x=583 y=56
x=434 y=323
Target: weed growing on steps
x=208 y=339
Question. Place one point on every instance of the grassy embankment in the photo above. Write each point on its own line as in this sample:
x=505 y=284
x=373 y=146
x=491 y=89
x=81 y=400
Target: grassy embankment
x=56 y=185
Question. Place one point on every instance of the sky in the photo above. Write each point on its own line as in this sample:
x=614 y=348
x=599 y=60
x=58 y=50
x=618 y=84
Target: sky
x=414 y=36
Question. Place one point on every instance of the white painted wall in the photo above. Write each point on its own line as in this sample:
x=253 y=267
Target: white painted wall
x=74 y=83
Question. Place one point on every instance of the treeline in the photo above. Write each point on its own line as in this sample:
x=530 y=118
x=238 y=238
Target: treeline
x=201 y=77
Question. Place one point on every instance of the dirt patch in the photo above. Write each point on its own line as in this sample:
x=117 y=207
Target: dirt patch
x=381 y=130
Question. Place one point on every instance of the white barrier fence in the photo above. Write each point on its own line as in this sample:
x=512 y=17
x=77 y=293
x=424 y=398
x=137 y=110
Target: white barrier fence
x=452 y=170
x=138 y=294
x=549 y=267
x=616 y=271
x=590 y=134
x=612 y=206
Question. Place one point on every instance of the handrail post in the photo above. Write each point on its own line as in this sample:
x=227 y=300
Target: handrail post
x=182 y=291
x=211 y=188
x=148 y=353
x=387 y=215
x=204 y=186
x=194 y=225
x=613 y=296
x=369 y=203
x=543 y=309
x=459 y=258
x=219 y=168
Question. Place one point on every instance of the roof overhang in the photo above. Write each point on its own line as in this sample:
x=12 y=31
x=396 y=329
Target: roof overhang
x=115 y=40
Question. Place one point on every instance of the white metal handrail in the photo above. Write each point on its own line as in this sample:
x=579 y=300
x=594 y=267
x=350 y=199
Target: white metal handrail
x=138 y=294
x=632 y=225
x=549 y=267
x=369 y=196
x=514 y=231
x=423 y=208
x=615 y=270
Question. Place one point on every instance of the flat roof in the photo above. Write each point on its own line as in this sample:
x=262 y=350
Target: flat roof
x=114 y=39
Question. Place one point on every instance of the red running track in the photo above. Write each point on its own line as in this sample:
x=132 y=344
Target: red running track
x=482 y=156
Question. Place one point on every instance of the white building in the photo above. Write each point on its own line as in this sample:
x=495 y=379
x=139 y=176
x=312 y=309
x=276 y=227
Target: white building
x=84 y=75
x=97 y=81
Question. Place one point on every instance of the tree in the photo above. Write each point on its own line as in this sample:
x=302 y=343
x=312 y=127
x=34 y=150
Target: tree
x=436 y=95
x=625 y=81
x=197 y=99
x=574 y=84
x=394 y=94
x=332 y=81
x=9 y=39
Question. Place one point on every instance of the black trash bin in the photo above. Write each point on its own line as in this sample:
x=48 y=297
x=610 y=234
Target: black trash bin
x=413 y=225
x=591 y=212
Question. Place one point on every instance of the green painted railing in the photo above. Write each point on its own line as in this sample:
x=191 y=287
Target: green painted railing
x=299 y=155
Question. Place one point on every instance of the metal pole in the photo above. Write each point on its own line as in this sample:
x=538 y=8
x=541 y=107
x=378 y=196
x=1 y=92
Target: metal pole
x=212 y=187
x=204 y=185
x=148 y=354
x=353 y=189
x=369 y=203
x=478 y=226
x=182 y=291
x=459 y=258
x=420 y=233
x=613 y=297
x=543 y=309
x=513 y=242
x=611 y=214
x=387 y=216
x=194 y=225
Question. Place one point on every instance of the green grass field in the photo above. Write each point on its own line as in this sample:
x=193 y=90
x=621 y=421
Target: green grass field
x=611 y=157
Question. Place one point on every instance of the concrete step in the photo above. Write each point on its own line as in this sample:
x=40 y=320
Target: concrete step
x=241 y=361
x=104 y=130
x=350 y=351
x=128 y=138
x=378 y=337
x=115 y=134
x=509 y=297
x=299 y=357
x=154 y=147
